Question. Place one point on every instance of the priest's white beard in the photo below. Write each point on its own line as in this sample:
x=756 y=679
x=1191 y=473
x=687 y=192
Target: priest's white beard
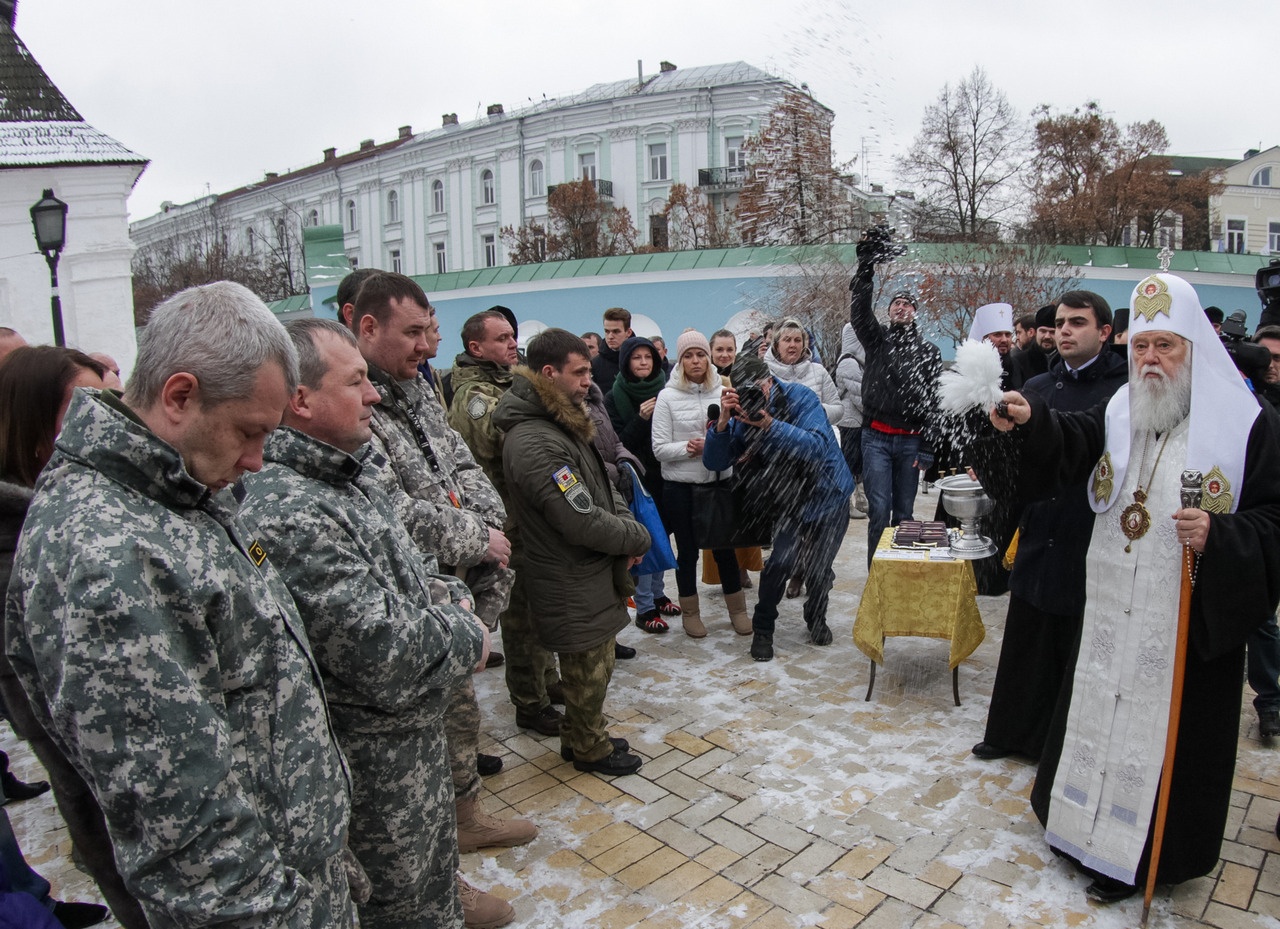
x=1159 y=403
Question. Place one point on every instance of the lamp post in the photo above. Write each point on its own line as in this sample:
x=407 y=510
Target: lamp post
x=49 y=217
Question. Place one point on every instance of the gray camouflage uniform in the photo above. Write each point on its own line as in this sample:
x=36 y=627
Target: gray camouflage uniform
x=162 y=652
x=391 y=647
x=448 y=505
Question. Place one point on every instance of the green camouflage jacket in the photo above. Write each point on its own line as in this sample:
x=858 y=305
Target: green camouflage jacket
x=386 y=633
x=477 y=387
x=439 y=492
x=163 y=654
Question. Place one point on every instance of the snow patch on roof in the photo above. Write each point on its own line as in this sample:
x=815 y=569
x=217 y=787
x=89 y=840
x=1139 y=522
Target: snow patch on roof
x=25 y=144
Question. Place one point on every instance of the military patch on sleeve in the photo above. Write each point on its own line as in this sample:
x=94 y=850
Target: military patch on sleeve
x=579 y=498
x=257 y=554
x=575 y=493
x=477 y=406
x=565 y=478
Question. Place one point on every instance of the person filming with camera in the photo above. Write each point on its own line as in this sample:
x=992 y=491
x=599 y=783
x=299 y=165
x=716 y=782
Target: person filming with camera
x=776 y=436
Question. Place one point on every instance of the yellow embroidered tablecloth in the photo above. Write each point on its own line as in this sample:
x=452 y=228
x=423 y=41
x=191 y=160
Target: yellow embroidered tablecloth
x=926 y=598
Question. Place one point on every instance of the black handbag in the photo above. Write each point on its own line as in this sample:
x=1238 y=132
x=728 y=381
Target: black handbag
x=725 y=516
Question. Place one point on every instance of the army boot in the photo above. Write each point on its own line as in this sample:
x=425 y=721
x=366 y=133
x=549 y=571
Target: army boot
x=737 y=604
x=481 y=910
x=477 y=829
x=691 y=617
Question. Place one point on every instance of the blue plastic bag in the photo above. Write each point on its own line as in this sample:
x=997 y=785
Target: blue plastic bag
x=660 y=556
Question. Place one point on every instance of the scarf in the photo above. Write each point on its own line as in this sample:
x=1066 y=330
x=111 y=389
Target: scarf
x=629 y=394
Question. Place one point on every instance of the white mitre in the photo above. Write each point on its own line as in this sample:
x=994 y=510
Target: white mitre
x=994 y=317
x=1222 y=407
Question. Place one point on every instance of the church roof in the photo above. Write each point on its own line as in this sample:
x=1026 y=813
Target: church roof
x=26 y=93
x=38 y=125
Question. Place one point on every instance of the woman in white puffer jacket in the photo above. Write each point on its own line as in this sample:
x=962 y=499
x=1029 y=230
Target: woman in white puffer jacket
x=679 y=430
x=791 y=359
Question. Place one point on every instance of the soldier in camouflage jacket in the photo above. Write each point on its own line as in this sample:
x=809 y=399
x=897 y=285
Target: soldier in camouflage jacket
x=162 y=652
x=392 y=645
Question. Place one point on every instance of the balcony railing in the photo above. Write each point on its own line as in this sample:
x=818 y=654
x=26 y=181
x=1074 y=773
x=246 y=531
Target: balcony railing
x=721 y=177
x=604 y=189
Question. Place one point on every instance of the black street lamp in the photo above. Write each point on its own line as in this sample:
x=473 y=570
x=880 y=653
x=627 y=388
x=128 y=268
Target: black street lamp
x=49 y=217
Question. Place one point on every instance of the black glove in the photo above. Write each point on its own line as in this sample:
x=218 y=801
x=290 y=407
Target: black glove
x=877 y=246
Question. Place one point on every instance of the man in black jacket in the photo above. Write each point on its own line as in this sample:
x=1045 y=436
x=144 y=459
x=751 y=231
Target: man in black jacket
x=1046 y=603
x=617 y=329
x=899 y=390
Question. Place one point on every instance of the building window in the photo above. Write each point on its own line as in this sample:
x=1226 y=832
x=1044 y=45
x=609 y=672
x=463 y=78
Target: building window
x=1273 y=238
x=252 y=237
x=1261 y=177
x=281 y=231
x=587 y=166
x=486 y=186
x=352 y=216
x=354 y=262
x=733 y=156
x=536 y=186
x=394 y=255
x=393 y=207
x=490 y=250
x=437 y=196
x=442 y=262
x=658 y=232
x=658 y=161
x=1236 y=236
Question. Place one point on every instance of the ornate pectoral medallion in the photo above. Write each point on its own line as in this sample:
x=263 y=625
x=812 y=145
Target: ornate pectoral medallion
x=1135 y=520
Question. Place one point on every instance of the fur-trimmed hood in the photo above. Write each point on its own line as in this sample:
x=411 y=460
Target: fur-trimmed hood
x=535 y=396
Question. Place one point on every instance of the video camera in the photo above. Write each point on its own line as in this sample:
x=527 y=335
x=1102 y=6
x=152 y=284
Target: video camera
x=1267 y=282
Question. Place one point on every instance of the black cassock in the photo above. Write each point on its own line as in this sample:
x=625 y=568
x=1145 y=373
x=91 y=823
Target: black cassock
x=1237 y=588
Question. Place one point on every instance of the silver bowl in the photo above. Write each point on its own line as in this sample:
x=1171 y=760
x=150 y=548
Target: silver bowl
x=964 y=498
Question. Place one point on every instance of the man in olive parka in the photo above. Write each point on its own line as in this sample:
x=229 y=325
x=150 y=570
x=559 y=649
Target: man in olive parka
x=580 y=539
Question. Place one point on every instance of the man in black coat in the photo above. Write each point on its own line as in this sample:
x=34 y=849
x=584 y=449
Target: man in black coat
x=617 y=329
x=1046 y=603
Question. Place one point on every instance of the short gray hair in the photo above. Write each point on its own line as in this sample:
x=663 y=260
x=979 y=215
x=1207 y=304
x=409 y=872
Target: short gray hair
x=219 y=333
x=311 y=367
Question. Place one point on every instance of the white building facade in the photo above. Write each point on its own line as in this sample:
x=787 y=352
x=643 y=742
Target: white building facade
x=437 y=201
x=1247 y=211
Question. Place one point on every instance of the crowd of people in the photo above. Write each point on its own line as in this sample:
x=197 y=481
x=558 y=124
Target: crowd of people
x=250 y=587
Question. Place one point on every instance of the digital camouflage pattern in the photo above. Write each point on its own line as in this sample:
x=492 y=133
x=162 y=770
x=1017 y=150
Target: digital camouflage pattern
x=449 y=500
x=163 y=654
x=448 y=505
x=393 y=647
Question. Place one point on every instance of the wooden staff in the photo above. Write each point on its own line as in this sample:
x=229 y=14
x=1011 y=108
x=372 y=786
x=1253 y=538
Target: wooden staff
x=1191 y=485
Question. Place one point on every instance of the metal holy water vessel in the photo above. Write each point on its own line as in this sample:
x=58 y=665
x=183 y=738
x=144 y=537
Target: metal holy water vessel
x=964 y=498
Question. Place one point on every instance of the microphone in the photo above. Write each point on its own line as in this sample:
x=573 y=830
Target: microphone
x=713 y=412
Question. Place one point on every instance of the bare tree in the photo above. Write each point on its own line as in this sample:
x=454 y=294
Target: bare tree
x=1093 y=180
x=580 y=224
x=203 y=253
x=962 y=277
x=793 y=194
x=693 y=222
x=817 y=294
x=965 y=161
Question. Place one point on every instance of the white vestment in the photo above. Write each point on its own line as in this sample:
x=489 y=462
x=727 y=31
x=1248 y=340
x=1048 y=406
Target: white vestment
x=1105 y=791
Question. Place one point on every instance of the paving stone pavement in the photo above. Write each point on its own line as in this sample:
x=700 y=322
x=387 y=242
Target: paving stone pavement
x=774 y=795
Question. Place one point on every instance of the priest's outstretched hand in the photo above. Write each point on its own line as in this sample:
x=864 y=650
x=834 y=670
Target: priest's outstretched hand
x=1012 y=410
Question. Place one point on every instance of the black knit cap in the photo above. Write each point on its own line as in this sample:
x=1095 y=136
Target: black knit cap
x=905 y=295
x=1046 y=317
x=747 y=369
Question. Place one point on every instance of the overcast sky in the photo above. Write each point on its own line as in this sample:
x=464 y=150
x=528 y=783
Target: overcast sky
x=216 y=92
